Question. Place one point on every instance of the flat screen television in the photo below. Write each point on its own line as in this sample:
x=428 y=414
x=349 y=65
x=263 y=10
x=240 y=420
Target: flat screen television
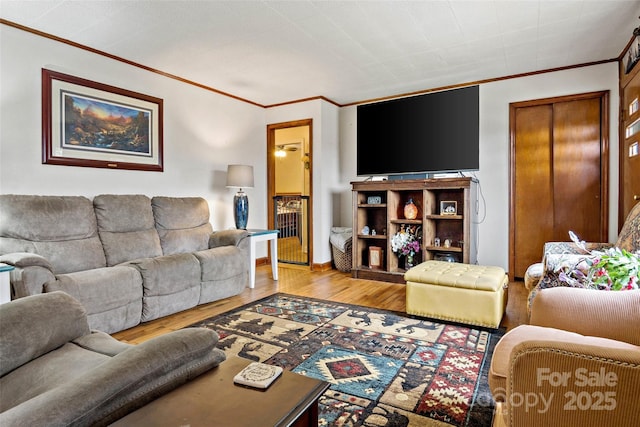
x=432 y=133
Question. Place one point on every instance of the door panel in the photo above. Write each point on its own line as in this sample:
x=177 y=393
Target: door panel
x=533 y=185
x=576 y=170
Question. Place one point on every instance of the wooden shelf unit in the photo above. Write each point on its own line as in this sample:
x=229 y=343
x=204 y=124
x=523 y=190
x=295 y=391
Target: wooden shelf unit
x=387 y=218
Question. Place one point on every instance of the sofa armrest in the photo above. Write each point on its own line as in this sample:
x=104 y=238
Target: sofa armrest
x=606 y=314
x=29 y=281
x=126 y=382
x=26 y=259
x=572 y=384
x=227 y=238
x=31 y=273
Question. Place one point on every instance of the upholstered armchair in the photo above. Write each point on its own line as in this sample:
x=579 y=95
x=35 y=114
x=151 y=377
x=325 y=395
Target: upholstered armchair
x=576 y=364
x=556 y=254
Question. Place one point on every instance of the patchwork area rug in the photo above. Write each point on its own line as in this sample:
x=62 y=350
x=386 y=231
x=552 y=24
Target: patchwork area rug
x=385 y=369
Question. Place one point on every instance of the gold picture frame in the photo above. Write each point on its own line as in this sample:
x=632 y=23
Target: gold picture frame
x=375 y=257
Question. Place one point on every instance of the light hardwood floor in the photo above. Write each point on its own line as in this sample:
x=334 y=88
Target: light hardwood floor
x=330 y=285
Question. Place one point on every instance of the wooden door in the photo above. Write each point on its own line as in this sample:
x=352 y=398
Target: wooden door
x=630 y=147
x=577 y=178
x=532 y=186
x=558 y=174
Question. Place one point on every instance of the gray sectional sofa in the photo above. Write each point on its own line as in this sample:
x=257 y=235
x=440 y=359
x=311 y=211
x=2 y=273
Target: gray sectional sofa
x=127 y=258
x=55 y=372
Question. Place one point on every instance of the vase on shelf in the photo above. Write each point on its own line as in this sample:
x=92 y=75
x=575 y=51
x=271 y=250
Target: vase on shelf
x=409 y=261
x=410 y=210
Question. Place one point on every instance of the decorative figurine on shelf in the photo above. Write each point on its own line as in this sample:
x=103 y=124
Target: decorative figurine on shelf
x=410 y=210
x=365 y=230
x=436 y=242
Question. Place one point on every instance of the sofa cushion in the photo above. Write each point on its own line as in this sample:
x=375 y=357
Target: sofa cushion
x=123 y=247
x=112 y=296
x=58 y=367
x=73 y=255
x=62 y=229
x=126 y=227
x=171 y=283
x=35 y=325
x=43 y=218
x=225 y=272
x=101 y=342
x=182 y=223
x=221 y=263
x=46 y=373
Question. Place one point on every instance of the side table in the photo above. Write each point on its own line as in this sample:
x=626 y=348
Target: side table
x=256 y=236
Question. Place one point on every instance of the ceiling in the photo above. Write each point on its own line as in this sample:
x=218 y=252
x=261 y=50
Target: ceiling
x=271 y=52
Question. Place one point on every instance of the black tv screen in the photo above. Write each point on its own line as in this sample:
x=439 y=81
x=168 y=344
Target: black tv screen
x=431 y=133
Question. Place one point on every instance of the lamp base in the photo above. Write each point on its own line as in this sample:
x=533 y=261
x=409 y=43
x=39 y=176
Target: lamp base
x=241 y=210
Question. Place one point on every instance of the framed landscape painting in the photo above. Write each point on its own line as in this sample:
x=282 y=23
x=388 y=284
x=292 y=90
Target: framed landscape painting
x=85 y=123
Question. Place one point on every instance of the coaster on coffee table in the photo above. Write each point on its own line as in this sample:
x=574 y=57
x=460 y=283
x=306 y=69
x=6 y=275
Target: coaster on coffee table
x=258 y=375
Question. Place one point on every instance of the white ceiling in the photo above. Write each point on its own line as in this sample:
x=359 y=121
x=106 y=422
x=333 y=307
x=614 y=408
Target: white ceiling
x=271 y=52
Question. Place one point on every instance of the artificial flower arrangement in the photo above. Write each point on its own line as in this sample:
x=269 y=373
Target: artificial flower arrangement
x=405 y=242
x=610 y=269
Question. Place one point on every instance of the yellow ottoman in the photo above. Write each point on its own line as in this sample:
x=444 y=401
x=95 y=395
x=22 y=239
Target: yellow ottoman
x=465 y=293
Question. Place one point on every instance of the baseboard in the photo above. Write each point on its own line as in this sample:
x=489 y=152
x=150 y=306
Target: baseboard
x=325 y=266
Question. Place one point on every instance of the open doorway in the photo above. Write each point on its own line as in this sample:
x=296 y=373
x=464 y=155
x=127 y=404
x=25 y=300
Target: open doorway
x=289 y=151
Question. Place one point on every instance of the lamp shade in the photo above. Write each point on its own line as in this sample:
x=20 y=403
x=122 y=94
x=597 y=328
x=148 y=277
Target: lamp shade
x=240 y=176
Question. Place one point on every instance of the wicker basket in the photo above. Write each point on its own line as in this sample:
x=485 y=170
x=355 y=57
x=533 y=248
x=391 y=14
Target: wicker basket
x=342 y=260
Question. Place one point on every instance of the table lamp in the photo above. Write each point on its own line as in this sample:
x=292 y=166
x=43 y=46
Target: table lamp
x=240 y=176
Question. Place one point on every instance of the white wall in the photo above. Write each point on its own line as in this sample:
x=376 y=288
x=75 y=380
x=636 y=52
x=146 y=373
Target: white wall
x=493 y=245
x=324 y=168
x=494 y=144
x=203 y=132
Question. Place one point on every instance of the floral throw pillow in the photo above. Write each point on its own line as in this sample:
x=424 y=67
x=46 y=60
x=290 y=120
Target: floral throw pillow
x=609 y=269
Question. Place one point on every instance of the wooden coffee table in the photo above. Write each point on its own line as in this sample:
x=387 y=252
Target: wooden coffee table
x=212 y=399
